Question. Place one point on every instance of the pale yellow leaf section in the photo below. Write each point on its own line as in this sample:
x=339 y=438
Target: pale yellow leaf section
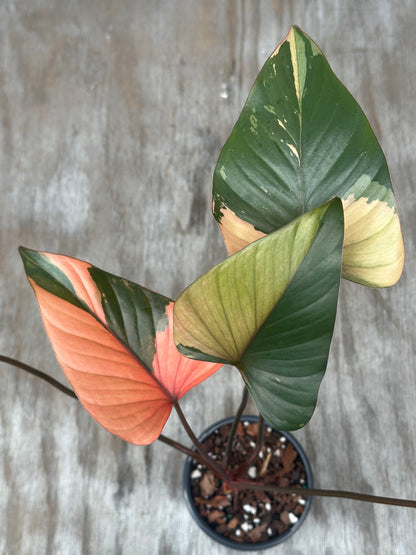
x=222 y=311
x=111 y=384
x=373 y=251
x=298 y=59
x=294 y=58
x=237 y=233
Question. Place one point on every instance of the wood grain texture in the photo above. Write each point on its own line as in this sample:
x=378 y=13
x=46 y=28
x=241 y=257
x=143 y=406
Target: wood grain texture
x=112 y=116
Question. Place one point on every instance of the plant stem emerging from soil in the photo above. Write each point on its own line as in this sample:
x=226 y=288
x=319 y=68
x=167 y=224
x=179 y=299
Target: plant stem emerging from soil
x=259 y=443
x=203 y=458
x=234 y=427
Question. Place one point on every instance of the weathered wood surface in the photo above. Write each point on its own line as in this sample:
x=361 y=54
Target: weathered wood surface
x=112 y=115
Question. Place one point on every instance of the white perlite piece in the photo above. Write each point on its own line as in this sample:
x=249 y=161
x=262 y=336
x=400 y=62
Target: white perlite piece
x=246 y=527
x=293 y=518
x=250 y=509
x=268 y=507
x=302 y=501
x=196 y=473
x=252 y=472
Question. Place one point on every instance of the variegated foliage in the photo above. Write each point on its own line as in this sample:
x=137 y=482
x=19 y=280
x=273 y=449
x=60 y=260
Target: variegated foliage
x=269 y=310
x=301 y=140
x=301 y=193
x=114 y=341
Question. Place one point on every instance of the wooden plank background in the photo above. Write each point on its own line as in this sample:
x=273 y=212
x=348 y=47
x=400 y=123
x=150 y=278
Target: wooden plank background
x=112 y=116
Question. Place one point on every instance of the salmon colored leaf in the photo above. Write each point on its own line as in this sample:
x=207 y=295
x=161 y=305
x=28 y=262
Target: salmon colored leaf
x=114 y=342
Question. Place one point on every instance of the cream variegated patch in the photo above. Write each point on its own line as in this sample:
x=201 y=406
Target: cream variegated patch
x=373 y=245
x=237 y=233
x=298 y=59
x=293 y=54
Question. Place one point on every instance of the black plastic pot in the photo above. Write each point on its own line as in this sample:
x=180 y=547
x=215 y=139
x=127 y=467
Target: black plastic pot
x=203 y=523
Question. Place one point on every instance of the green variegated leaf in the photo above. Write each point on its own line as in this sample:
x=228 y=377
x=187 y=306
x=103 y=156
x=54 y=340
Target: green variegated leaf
x=301 y=140
x=270 y=311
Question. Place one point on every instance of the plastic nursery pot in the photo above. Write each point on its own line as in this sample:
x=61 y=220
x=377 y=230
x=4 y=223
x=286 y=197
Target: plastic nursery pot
x=299 y=470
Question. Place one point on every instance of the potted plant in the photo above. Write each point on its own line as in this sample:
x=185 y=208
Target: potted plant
x=302 y=196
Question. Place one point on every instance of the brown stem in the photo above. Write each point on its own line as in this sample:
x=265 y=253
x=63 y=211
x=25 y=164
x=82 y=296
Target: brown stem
x=208 y=461
x=234 y=427
x=259 y=443
x=182 y=448
x=241 y=485
x=39 y=374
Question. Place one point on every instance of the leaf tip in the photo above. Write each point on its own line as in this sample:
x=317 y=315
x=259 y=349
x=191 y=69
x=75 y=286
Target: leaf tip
x=23 y=251
x=27 y=257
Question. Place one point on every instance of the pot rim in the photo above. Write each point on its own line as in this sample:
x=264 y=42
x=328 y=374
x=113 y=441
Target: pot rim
x=204 y=525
